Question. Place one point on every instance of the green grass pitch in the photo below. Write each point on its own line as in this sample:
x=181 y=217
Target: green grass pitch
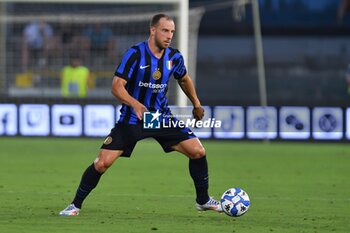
x=293 y=187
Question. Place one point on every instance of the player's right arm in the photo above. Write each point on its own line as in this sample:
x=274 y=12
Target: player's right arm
x=122 y=75
x=119 y=91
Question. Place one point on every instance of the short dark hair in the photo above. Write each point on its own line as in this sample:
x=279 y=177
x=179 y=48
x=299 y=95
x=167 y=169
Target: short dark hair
x=74 y=56
x=155 y=19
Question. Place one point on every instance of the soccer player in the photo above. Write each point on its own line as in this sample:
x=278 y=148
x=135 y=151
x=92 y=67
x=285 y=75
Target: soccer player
x=140 y=83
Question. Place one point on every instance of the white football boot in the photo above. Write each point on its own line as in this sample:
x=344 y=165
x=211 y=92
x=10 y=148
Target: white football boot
x=71 y=210
x=212 y=204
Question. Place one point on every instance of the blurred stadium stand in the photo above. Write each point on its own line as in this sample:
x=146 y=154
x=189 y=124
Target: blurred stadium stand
x=306 y=55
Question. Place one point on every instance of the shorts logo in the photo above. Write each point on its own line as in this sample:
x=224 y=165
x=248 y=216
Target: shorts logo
x=156 y=75
x=108 y=140
x=151 y=120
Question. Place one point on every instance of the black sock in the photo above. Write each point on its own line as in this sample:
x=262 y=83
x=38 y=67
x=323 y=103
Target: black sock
x=199 y=173
x=88 y=182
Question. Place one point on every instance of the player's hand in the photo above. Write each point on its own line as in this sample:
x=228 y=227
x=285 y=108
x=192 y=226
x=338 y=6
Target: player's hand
x=139 y=109
x=198 y=113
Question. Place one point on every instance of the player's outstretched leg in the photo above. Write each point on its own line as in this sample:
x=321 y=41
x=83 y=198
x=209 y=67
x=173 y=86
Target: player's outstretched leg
x=198 y=168
x=88 y=182
x=90 y=179
x=199 y=173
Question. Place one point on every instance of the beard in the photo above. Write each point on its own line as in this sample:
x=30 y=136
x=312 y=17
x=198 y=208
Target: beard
x=160 y=44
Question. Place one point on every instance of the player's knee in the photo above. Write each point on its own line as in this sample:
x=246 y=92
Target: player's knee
x=197 y=152
x=102 y=165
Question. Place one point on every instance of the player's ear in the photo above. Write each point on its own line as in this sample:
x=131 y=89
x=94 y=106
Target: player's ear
x=152 y=30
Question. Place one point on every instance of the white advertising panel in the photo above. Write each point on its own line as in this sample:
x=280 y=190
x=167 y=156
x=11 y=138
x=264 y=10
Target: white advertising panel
x=117 y=113
x=348 y=123
x=8 y=119
x=294 y=123
x=34 y=119
x=66 y=120
x=232 y=122
x=327 y=123
x=261 y=122
x=98 y=120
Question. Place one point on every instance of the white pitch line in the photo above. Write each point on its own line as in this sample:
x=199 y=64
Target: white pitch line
x=182 y=196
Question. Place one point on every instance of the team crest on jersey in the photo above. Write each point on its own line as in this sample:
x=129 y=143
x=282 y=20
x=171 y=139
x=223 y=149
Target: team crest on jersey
x=169 y=65
x=156 y=75
x=108 y=140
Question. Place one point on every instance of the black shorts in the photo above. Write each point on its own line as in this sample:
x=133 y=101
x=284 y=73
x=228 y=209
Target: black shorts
x=125 y=136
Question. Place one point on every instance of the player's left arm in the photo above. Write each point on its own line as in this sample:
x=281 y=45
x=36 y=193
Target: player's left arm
x=187 y=87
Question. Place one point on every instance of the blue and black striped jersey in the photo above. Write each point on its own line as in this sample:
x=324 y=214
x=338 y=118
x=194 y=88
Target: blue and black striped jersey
x=147 y=78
